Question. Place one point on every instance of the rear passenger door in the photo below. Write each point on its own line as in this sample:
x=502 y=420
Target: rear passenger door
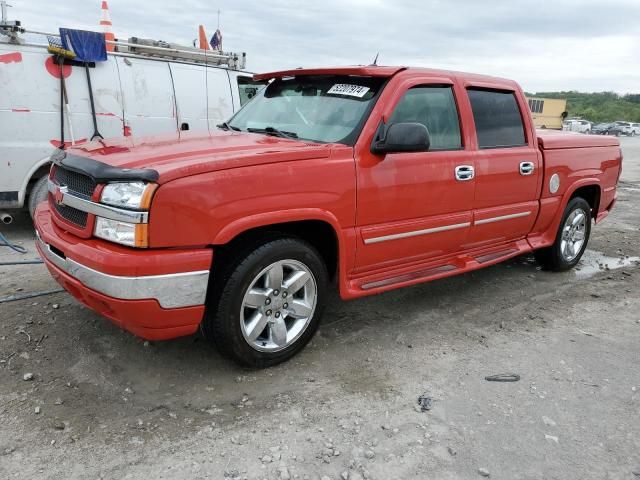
x=508 y=168
x=148 y=96
x=190 y=85
x=219 y=100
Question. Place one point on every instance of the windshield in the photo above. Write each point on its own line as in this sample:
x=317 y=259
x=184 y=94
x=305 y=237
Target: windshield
x=326 y=108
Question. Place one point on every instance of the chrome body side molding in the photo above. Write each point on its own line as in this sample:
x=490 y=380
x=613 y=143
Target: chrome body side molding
x=414 y=233
x=501 y=217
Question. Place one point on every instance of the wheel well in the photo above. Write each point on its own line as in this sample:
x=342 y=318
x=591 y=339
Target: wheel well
x=38 y=174
x=591 y=193
x=318 y=233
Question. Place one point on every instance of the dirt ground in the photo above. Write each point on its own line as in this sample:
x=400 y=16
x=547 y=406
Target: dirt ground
x=104 y=404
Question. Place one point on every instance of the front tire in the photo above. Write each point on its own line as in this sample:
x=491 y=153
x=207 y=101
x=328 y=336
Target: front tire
x=571 y=239
x=266 y=305
x=38 y=194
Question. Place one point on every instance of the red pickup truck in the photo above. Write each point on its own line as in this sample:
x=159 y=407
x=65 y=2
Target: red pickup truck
x=375 y=177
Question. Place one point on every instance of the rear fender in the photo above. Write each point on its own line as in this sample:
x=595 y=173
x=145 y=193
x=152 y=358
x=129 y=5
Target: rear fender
x=547 y=230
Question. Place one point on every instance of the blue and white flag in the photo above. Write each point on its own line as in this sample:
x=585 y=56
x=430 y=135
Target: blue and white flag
x=216 y=40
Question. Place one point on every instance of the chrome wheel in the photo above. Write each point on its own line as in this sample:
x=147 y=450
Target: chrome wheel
x=278 y=305
x=573 y=235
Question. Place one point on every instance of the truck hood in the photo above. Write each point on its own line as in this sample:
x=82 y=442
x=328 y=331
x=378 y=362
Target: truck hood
x=175 y=156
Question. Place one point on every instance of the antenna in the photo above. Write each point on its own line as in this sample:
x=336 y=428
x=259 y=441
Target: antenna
x=375 y=60
x=218 y=19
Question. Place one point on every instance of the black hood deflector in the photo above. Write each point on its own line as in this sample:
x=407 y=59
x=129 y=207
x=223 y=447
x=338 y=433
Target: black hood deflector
x=101 y=172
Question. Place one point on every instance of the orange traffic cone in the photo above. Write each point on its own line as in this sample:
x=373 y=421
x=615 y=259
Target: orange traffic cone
x=202 y=39
x=105 y=23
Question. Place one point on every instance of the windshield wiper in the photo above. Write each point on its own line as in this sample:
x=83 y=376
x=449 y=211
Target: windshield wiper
x=273 y=131
x=226 y=126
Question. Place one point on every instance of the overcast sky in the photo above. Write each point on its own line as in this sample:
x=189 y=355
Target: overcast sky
x=585 y=45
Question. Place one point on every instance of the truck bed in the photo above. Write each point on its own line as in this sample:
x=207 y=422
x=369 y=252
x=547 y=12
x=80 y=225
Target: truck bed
x=554 y=140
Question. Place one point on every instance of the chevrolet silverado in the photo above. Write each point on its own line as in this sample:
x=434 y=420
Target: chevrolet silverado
x=367 y=178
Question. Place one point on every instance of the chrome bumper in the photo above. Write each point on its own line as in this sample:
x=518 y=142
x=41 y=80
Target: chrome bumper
x=172 y=290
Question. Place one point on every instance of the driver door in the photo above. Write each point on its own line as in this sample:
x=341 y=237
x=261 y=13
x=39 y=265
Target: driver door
x=416 y=207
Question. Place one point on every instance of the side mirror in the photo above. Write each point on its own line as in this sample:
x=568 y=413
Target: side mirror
x=402 y=137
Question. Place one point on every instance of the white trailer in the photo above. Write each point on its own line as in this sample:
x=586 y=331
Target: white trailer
x=144 y=88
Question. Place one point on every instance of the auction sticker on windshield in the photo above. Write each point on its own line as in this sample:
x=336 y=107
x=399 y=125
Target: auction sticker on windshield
x=351 y=90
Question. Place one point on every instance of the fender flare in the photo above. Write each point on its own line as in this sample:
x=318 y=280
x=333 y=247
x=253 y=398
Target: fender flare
x=548 y=237
x=241 y=225
x=583 y=182
x=345 y=237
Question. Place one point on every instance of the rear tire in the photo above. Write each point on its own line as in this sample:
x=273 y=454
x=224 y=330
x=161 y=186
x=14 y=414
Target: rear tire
x=38 y=194
x=265 y=305
x=571 y=239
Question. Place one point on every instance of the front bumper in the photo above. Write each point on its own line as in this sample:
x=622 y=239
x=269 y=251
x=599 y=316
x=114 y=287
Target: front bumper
x=155 y=294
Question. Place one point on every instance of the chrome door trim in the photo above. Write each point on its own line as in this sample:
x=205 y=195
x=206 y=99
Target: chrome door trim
x=112 y=213
x=501 y=217
x=526 y=168
x=465 y=173
x=414 y=233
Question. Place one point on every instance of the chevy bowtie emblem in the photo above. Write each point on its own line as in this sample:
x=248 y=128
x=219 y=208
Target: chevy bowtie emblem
x=58 y=195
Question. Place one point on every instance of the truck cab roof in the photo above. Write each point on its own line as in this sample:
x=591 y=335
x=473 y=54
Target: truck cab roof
x=390 y=71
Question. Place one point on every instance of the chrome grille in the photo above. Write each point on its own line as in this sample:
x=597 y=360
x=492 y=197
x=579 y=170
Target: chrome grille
x=79 y=184
x=73 y=215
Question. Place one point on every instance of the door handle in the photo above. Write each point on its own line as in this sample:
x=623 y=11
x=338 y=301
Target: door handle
x=465 y=172
x=526 y=168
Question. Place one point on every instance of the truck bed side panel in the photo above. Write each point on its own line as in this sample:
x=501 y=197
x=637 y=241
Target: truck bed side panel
x=576 y=167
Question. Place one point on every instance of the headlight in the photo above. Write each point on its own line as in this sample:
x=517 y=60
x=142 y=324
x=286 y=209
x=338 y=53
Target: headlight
x=130 y=196
x=133 y=195
x=131 y=234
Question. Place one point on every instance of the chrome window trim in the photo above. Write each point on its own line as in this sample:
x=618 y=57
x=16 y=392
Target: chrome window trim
x=112 y=213
x=501 y=217
x=172 y=290
x=414 y=233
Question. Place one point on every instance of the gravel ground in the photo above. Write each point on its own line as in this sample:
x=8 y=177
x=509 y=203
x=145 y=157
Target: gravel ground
x=81 y=399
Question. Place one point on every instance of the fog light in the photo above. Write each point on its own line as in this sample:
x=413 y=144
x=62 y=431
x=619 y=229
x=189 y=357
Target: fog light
x=130 y=234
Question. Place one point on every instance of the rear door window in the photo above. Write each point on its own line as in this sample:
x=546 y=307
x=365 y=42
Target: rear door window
x=435 y=108
x=497 y=118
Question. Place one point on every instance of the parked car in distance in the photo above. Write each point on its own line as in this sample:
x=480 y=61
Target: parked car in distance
x=368 y=178
x=576 y=125
x=607 y=129
x=628 y=128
